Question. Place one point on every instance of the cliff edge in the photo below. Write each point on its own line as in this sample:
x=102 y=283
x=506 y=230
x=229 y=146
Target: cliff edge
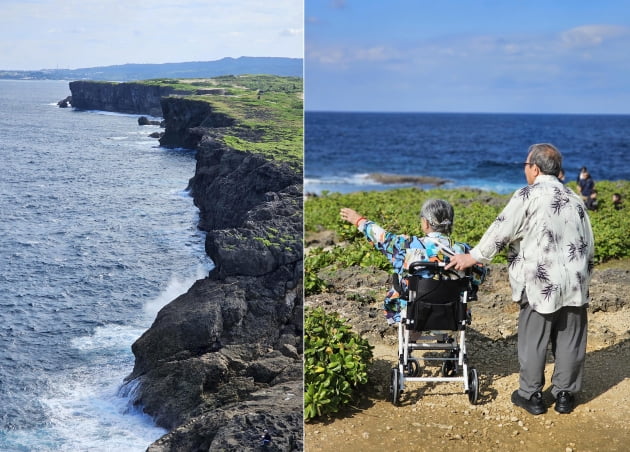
x=223 y=361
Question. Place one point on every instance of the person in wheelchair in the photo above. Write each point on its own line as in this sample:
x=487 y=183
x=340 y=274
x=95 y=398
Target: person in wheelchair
x=436 y=217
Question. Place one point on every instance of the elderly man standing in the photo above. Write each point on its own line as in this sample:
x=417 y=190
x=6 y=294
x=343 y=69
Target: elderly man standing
x=550 y=251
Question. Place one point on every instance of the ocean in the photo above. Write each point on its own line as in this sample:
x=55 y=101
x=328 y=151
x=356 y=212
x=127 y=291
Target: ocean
x=97 y=233
x=343 y=151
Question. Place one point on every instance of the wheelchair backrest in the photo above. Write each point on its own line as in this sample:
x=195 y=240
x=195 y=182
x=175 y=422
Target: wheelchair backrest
x=431 y=283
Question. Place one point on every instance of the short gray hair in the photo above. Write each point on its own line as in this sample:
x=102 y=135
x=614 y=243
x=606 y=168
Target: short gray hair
x=546 y=157
x=439 y=214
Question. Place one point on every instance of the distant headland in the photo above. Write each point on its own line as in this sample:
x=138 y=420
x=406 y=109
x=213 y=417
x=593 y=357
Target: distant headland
x=193 y=69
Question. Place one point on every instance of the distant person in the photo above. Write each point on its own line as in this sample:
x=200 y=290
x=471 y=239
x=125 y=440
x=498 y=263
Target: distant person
x=561 y=176
x=550 y=244
x=591 y=202
x=579 y=176
x=265 y=439
x=616 y=201
x=586 y=185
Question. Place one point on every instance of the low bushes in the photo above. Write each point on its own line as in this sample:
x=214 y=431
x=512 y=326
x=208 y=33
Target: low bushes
x=335 y=363
x=397 y=210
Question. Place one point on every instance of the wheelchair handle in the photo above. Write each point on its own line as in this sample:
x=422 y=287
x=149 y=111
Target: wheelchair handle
x=419 y=265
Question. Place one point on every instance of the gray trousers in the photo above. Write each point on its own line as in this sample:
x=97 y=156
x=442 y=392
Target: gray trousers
x=566 y=330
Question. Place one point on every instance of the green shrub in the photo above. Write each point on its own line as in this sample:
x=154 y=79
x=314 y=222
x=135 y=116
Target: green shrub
x=397 y=211
x=335 y=363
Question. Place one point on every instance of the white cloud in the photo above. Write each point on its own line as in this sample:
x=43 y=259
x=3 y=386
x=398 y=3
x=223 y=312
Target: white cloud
x=501 y=72
x=292 y=32
x=326 y=56
x=83 y=33
x=378 y=53
x=592 y=35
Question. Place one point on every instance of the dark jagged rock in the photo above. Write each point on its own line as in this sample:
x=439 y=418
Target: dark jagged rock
x=135 y=98
x=407 y=179
x=224 y=360
x=187 y=121
x=245 y=424
x=144 y=121
x=65 y=103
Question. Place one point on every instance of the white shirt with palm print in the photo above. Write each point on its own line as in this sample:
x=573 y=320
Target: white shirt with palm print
x=550 y=245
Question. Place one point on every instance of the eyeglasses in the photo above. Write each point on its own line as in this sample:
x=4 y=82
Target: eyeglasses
x=527 y=163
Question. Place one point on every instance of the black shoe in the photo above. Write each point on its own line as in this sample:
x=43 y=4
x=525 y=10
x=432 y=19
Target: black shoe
x=534 y=405
x=565 y=402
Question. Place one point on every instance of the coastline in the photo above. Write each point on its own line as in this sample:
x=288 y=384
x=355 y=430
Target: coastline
x=223 y=361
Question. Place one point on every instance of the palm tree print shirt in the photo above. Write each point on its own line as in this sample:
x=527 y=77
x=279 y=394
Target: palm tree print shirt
x=550 y=245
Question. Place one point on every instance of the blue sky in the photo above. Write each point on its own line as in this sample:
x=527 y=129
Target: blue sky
x=70 y=34
x=506 y=56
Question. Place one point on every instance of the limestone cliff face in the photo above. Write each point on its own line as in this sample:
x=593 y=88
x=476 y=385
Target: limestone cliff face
x=224 y=360
x=134 y=98
x=187 y=121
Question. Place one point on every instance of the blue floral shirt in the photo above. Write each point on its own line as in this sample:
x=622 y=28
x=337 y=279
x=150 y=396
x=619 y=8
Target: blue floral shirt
x=401 y=250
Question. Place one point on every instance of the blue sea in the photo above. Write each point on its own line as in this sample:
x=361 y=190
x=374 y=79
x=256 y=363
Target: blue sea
x=486 y=151
x=97 y=233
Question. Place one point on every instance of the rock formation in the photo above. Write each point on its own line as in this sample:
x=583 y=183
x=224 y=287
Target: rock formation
x=65 y=103
x=144 y=121
x=136 y=98
x=223 y=361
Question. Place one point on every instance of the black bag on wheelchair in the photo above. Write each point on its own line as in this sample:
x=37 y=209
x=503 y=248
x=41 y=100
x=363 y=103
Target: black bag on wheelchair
x=437 y=304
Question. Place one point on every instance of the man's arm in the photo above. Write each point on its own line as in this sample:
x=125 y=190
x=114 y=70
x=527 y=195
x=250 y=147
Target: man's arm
x=506 y=228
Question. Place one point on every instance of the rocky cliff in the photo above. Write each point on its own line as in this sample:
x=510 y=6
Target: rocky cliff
x=135 y=98
x=223 y=361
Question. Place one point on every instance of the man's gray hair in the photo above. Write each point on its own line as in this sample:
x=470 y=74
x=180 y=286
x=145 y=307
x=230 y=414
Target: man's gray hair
x=439 y=214
x=546 y=157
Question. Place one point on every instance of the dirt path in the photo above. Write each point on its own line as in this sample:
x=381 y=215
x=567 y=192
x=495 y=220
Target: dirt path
x=439 y=417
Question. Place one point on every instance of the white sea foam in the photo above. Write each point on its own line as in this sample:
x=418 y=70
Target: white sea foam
x=176 y=287
x=363 y=182
x=88 y=413
x=91 y=410
x=109 y=337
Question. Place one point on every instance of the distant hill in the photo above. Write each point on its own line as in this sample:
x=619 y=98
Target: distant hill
x=193 y=69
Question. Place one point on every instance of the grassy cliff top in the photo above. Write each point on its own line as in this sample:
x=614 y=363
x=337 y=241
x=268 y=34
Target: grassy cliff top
x=268 y=110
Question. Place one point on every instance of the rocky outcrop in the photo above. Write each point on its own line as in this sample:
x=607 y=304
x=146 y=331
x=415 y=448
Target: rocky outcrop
x=134 y=98
x=187 y=121
x=65 y=103
x=223 y=361
x=144 y=121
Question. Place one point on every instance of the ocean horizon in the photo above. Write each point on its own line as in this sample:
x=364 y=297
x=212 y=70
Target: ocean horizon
x=352 y=151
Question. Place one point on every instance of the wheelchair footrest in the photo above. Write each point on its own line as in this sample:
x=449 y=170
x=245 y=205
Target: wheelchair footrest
x=431 y=346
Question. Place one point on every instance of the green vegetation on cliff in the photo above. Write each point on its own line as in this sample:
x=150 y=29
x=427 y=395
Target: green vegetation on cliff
x=267 y=109
x=397 y=210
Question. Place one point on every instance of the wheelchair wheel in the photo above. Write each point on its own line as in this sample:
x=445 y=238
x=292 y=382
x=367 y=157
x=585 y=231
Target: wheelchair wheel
x=394 y=389
x=449 y=369
x=413 y=368
x=473 y=385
